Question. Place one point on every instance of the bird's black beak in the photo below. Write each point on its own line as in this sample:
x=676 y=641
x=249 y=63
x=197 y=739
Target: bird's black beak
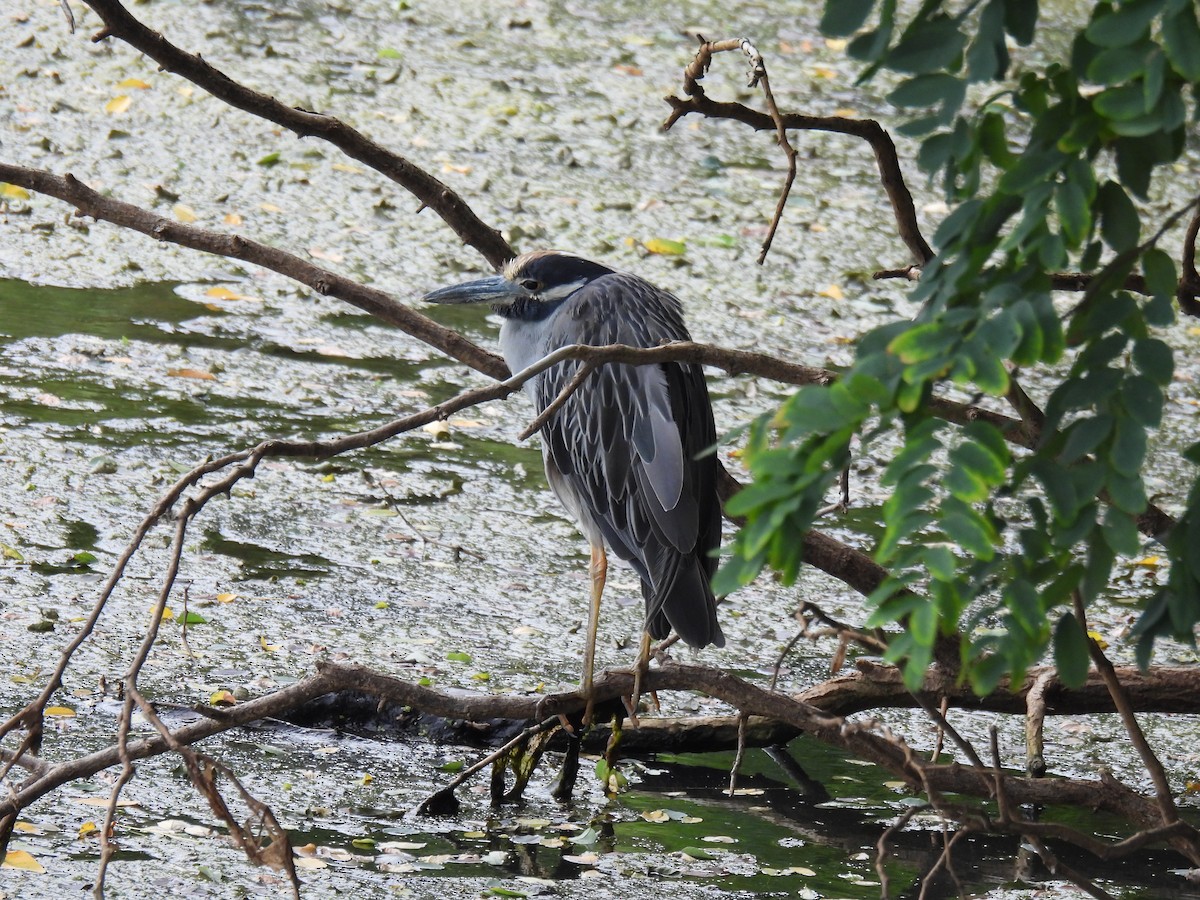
x=496 y=290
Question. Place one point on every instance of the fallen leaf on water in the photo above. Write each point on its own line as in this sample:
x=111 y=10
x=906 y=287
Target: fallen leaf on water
x=1148 y=561
x=836 y=44
x=134 y=84
x=656 y=815
x=27 y=828
x=20 y=859
x=270 y=648
x=719 y=839
x=224 y=293
x=103 y=801
x=582 y=859
x=270 y=207
x=342 y=167
x=199 y=374
x=222 y=698
x=310 y=862
x=184 y=213
x=226 y=598
x=13 y=191
x=233 y=219
x=833 y=292
x=87 y=828
x=438 y=429
x=665 y=247
x=117 y=105
x=62 y=712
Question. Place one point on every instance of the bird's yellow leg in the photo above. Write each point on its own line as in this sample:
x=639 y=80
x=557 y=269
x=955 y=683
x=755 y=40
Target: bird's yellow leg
x=599 y=572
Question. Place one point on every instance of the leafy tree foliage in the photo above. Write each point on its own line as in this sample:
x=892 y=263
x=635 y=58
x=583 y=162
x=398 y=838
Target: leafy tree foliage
x=1042 y=174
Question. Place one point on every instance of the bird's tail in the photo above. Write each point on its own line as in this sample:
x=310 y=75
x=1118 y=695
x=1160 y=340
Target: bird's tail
x=686 y=604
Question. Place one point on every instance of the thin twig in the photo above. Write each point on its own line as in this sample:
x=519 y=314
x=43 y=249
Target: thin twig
x=570 y=388
x=1154 y=767
x=738 y=756
x=498 y=753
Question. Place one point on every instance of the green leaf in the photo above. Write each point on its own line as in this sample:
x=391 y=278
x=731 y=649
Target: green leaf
x=737 y=572
x=269 y=160
x=1084 y=436
x=1020 y=20
x=1071 y=652
x=194 y=618
x=1122 y=103
x=1181 y=37
x=1143 y=400
x=1125 y=24
x=987 y=57
x=1155 y=359
x=1074 y=211
x=927 y=46
x=925 y=90
x=1128 y=450
x=1120 y=225
x=1117 y=65
x=458 y=656
x=842 y=18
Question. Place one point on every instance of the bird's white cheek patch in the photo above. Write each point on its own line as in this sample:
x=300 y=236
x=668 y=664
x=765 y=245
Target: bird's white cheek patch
x=561 y=291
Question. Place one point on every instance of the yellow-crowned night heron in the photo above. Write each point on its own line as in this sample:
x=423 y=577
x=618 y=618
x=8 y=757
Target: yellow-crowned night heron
x=628 y=454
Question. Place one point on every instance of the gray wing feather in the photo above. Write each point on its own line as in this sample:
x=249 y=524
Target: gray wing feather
x=623 y=451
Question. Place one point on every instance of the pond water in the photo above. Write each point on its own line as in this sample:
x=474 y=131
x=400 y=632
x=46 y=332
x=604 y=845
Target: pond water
x=438 y=555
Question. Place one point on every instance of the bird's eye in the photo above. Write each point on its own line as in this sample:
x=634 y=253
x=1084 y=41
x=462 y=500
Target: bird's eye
x=531 y=285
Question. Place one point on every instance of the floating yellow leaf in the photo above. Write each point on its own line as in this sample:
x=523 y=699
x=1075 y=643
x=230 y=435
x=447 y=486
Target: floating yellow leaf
x=13 y=191
x=27 y=828
x=665 y=247
x=61 y=712
x=226 y=597
x=222 y=698
x=19 y=859
x=269 y=207
x=87 y=828
x=270 y=648
x=184 y=214
x=310 y=862
x=117 y=105
x=656 y=815
x=833 y=292
x=837 y=45
x=233 y=219
x=1099 y=639
x=342 y=167
x=824 y=72
x=1149 y=561
x=135 y=84
x=168 y=614
x=367 y=778
x=198 y=374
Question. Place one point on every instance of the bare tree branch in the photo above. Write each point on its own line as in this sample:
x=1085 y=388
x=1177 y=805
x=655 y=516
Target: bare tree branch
x=431 y=192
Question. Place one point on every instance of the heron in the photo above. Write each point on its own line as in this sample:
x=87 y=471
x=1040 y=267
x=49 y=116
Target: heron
x=628 y=453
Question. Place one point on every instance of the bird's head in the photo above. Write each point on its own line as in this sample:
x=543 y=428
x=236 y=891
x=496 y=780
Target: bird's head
x=529 y=287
